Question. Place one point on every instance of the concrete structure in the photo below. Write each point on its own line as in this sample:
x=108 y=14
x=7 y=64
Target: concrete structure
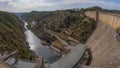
x=39 y=63
x=4 y=65
x=71 y=59
x=104 y=46
x=111 y=19
x=11 y=55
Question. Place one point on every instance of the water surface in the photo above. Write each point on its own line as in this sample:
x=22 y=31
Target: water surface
x=38 y=48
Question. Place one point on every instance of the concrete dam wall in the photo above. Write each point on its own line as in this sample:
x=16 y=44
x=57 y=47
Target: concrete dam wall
x=110 y=19
x=104 y=46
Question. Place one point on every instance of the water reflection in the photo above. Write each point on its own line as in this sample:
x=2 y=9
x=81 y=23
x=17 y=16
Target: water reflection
x=38 y=48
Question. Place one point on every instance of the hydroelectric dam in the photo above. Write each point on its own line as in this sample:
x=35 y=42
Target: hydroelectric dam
x=104 y=46
x=103 y=42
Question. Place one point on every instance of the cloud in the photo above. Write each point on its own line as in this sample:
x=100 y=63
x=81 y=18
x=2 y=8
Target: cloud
x=29 y=5
x=23 y=5
x=94 y=2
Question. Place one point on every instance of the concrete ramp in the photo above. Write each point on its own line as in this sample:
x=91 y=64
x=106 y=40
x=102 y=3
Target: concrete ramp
x=104 y=45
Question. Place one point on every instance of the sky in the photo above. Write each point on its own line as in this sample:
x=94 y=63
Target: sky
x=49 y=5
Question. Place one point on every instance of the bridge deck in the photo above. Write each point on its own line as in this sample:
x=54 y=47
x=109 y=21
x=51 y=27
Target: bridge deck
x=71 y=59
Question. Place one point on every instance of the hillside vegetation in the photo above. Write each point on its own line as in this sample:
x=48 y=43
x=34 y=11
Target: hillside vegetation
x=12 y=36
x=68 y=22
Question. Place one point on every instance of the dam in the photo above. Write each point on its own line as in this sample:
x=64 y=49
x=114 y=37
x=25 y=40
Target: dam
x=105 y=48
x=103 y=43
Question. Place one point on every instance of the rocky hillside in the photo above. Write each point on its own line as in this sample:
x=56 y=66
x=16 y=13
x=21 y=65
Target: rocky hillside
x=68 y=22
x=12 y=36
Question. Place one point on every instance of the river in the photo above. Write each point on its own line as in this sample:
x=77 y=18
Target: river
x=38 y=48
x=35 y=45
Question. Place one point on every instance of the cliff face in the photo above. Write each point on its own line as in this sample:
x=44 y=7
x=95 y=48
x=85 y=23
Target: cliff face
x=104 y=46
x=12 y=35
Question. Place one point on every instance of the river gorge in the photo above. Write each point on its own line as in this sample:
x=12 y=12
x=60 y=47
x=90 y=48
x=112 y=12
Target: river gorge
x=85 y=38
x=38 y=48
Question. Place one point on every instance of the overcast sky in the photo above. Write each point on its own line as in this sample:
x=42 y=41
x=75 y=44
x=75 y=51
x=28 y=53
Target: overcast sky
x=48 y=5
